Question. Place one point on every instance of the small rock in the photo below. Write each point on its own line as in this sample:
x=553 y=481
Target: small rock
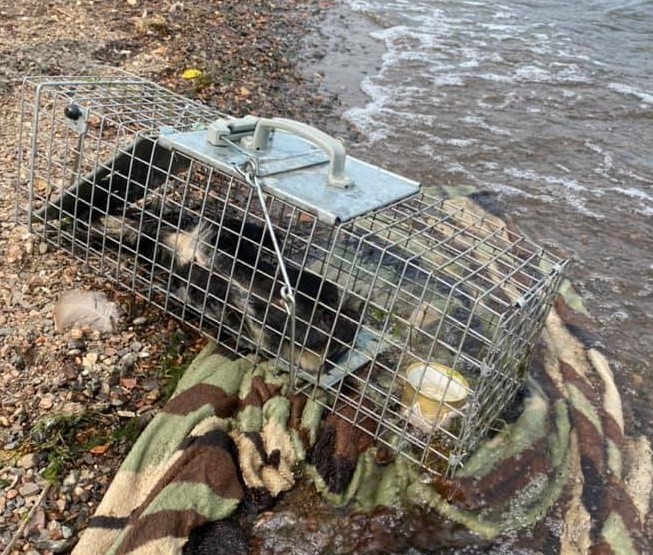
x=14 y=253
x=38 y=521
x=126 y=414
x=69 y=371
x=11 y=494
x=128 y=361
x=28 y=461
x=89 y=360
x=136 y=346
x=81 y=494
x=150 y=385
x=72 y=407
x=76 y=344
x=43 y=248
x=46 y=402
x=61 y=504
x=139 y=320
x=71 y=479
x=30 y=488
x=61 y=546
x=54 y=530
x=66 y=531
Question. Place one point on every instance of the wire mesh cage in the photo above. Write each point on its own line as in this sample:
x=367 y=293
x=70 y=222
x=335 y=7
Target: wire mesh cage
x=408 y=315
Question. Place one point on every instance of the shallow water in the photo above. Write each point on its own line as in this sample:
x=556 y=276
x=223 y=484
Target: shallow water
x=548 y=106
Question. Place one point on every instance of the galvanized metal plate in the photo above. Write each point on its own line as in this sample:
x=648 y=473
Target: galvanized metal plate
x=290 y=152
x=295 y=171
x=373 y=188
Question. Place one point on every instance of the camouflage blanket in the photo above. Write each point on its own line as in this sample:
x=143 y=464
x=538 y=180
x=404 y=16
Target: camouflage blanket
x=563 y=476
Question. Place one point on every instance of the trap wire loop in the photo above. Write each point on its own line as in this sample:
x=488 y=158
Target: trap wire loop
x=287 y=294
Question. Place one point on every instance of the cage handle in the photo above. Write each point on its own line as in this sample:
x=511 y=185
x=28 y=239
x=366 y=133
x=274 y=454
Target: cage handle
x=332 y=146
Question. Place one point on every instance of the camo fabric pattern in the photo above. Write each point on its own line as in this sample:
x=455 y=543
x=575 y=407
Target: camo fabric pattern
x=565 y=472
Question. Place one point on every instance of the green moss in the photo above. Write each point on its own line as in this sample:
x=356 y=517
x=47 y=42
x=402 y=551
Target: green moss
x=174 y=363
x=127 y=433
x=63 y=438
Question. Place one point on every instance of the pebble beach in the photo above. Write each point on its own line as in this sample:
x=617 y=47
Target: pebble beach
x=72 y=402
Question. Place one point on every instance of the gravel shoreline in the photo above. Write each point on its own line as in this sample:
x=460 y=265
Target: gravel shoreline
x=72 y=403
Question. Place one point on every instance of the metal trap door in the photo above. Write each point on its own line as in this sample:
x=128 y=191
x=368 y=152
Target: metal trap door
x=74 y=132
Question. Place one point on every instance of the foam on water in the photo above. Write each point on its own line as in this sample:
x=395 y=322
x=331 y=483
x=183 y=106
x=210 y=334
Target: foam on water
x=554 y=187
x=435 y=52
x=622 y=88
x=480 y=122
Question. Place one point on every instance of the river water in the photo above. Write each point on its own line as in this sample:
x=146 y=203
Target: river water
x=546 y=105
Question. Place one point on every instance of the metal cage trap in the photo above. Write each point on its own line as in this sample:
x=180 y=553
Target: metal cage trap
x=410 y=316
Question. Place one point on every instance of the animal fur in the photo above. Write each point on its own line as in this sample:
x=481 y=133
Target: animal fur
x=227 y=273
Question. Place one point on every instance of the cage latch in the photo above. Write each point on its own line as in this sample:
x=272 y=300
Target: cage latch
x=223 y=132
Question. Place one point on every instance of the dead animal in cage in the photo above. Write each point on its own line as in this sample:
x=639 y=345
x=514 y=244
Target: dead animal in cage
x=408 y=315
x=222 y=272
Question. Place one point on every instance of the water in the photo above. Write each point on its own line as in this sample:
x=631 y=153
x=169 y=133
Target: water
x=548 y=105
